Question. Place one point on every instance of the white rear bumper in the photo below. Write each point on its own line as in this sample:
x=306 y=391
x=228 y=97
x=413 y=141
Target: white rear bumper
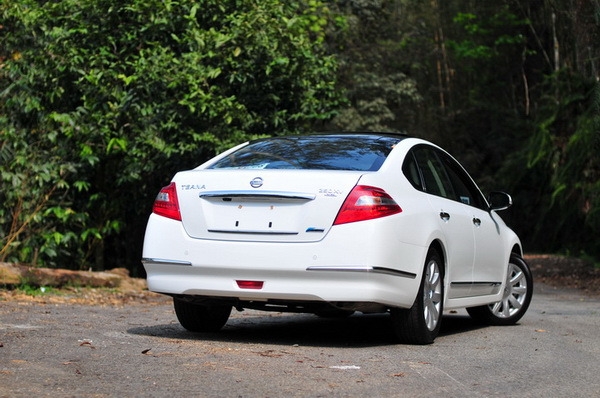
x=344 y=267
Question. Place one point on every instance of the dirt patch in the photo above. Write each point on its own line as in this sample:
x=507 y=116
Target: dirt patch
x=565 y=272
x=59 y=286
x=84 y=295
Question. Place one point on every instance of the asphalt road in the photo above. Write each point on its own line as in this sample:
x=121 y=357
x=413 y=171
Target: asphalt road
x=64 y=350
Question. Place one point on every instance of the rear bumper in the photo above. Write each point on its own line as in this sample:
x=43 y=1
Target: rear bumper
x=343 y=267
x=343 y=285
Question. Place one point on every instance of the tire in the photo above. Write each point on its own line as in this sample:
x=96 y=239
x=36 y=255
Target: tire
x=421 y=323
x=518 y=291
x=201 y=318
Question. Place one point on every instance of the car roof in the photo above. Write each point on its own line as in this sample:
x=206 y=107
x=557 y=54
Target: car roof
x=372 y=134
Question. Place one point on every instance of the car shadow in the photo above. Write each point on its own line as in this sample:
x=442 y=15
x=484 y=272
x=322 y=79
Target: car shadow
x=359 y=330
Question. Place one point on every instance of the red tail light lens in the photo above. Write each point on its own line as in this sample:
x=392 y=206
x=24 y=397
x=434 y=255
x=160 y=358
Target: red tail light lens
x=166 y=203
x=366 y=203
x=257 y=285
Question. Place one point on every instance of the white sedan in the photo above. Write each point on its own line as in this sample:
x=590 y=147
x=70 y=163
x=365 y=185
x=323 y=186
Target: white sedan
x=332 y=224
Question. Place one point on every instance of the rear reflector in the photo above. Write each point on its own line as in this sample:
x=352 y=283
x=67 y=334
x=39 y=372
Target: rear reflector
x=366 y=203
x=166 y=203
x=250 y=284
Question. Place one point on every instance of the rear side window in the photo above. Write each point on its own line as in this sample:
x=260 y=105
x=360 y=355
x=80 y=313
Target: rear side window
x=326 y=152
x=411 y=171
x=435 y=178
x=434 y=172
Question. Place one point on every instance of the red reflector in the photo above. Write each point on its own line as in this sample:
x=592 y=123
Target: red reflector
x=250 y=284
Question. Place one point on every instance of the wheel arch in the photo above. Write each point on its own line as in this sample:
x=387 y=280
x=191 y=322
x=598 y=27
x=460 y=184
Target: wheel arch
x=440 y=248
x=517 y=249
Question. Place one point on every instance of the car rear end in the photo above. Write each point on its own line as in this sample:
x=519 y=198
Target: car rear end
x=278 y=224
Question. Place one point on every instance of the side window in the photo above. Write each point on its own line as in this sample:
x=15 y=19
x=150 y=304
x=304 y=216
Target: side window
x=411 y=171
x=434 y=174
x=465 y=189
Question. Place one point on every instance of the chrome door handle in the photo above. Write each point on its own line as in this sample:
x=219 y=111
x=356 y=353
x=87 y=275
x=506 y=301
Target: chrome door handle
x=444 y=216
x=476 y=221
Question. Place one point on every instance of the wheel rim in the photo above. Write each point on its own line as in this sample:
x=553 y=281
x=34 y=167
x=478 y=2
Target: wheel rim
x=515 y=292
x=432 y=295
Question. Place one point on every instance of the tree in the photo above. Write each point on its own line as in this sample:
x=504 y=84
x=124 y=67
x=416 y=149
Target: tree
x=561 y=156
x=374 y=74
x=102 y=101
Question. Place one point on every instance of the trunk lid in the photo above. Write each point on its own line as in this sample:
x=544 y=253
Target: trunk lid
x=262 y=205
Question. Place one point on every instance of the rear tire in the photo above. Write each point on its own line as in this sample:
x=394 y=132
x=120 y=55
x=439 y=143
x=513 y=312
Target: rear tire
x=210 y=317
x=421 y=323
x=518 y=291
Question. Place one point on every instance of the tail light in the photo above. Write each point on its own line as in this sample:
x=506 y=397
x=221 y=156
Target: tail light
x=166 y=203
x=366 y=203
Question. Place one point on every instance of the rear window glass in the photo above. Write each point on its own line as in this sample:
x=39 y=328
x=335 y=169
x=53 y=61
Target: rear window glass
x=331 y=152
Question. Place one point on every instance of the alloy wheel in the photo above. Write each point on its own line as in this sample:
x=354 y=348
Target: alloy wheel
x=515 y=293
x=432 y=294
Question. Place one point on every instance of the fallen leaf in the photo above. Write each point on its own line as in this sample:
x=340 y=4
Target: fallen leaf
x=269 y=353
x=87 y=343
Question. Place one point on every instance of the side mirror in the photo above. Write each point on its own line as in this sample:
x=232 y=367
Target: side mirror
x=499 y=201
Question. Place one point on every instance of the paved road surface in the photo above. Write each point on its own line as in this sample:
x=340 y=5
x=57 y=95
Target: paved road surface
x=140 y=350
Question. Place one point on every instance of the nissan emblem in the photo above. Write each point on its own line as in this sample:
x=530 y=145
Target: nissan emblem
x=256 y=182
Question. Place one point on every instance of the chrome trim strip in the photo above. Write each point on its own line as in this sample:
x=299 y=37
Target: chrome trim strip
x=225 y=231
x=459 y=290
x=161 y=261
x=472 y=289
x=259 y=195
x=491 y=284
x=389 y=271
x=375 y=270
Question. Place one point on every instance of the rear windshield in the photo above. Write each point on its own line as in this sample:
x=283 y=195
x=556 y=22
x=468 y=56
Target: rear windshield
x=330 y=152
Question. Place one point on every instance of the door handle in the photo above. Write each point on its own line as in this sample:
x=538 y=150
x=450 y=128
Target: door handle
x=476 y=221
x=444 y=216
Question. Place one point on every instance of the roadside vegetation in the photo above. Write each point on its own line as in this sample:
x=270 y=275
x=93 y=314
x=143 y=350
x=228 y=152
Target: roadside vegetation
x=101 y=102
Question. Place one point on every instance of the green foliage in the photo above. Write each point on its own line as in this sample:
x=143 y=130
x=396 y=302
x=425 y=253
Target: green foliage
x=378 y=102
x=565 y=148
x=102 y=101
x=36 y=291
x=527 y=58
x=486 y=36
x=374 y=72
x=489 y=44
